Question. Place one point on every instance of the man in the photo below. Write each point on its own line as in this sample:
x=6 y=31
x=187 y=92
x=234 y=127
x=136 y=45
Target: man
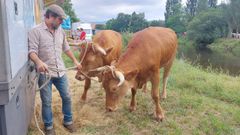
x=46 y=43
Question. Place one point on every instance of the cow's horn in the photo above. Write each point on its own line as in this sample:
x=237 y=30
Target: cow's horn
x=100 y=49
x=120 y=76
x=99 y=69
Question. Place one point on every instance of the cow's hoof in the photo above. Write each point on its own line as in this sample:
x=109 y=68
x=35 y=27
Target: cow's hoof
x=145 y=91
x=111 y=109
x=132 y=108
x=159 y=118
x=83 y=99
x=164 y=96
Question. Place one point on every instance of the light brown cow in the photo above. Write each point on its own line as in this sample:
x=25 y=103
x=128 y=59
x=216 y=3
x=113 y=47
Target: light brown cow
x=147 y=52
x=106 y=48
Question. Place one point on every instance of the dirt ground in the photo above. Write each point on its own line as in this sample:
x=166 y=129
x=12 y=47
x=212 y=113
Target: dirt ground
x=92 y=112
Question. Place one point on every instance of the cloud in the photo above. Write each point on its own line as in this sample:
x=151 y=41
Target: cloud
x=103 y=10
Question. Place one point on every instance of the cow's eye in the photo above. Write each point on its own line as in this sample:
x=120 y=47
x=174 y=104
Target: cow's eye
x=114 y=89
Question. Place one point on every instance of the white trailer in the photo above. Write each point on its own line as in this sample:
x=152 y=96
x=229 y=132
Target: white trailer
x=17 y=74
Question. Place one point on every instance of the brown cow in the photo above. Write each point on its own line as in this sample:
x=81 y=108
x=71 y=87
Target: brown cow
x=147 y=52
x=106 y=47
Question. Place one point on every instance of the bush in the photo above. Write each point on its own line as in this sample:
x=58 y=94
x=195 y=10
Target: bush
x=126 y=36
x=206 y=27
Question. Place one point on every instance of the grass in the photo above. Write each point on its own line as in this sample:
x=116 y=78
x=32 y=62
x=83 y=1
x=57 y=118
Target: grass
x=231 y=46
x=126 y=36
x=199 y=102
x=67 y=61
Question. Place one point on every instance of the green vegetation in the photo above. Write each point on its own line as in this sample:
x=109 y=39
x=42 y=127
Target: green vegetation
x=214 y=27
x=131 y=22
x=227 y=46
x=67 y=61
x=203 y=20
x=126 y=36
x=174 y=16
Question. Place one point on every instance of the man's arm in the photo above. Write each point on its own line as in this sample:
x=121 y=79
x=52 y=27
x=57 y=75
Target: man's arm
x=33 y=43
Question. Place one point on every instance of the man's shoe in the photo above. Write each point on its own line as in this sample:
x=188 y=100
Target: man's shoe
x=50 y=131
x=71 y=128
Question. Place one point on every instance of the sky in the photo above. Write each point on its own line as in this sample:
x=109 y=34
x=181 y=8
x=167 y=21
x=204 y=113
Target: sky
x=103 y=10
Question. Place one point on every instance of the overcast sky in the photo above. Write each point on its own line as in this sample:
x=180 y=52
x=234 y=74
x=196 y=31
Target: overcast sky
x=103 y=10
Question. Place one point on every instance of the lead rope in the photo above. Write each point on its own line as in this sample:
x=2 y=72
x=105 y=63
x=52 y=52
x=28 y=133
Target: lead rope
x=34 y=110
x=48 y=78
x=85 y=52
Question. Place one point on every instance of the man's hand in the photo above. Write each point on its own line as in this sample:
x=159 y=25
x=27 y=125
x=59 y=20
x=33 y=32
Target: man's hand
x=79 y=66
x=42 y=67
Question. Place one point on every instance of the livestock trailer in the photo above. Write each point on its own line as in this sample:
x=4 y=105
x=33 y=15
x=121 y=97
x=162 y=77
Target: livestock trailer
x=17 y=74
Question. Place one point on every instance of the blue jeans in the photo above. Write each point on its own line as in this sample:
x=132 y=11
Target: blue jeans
x=61 y=84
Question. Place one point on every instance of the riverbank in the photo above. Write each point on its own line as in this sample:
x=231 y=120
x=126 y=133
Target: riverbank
x=223 y=55
x=227 y=46
x=222 y=45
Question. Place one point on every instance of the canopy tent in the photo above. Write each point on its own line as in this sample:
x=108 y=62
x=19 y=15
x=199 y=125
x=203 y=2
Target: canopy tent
x=67 y=23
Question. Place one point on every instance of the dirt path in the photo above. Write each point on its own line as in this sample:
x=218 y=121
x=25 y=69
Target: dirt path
x=85 y=114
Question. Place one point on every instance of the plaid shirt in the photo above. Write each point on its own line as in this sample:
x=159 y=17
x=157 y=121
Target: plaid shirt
x=48 y=46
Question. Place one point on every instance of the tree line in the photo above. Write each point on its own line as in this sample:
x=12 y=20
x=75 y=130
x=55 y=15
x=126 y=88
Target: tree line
x=203 y=20
x=130 y=22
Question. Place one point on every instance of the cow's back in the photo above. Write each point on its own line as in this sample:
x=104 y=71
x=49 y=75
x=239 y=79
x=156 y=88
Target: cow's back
x=151 y=47
x=107 y=39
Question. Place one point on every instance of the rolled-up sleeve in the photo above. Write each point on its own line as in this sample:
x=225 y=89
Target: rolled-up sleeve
x=66 y=46
x=33 y=41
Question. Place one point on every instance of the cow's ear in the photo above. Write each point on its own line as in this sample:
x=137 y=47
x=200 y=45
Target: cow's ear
x=108 y=50
x=131 y=75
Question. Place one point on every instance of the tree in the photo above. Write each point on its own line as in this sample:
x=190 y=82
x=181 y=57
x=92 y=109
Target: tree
x=177 y=23
x=191 y=8
x=67 y=7
x=127 y=23
x=232 y=15
x=202 y=5
x=212 y=3
x=100 y=26
x=120 y=24
x=156 y=23
x=206 y=27
x=171 y=8
x=174 y=16
x=137 y=22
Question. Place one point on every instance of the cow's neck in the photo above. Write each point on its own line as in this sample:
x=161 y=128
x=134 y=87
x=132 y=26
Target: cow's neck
x=126 y=66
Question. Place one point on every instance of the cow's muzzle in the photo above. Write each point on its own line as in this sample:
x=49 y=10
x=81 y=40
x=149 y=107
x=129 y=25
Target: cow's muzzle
x=80 y=77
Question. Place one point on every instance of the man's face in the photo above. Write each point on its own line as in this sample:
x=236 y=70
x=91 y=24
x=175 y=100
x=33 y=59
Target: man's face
x=56 y=22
